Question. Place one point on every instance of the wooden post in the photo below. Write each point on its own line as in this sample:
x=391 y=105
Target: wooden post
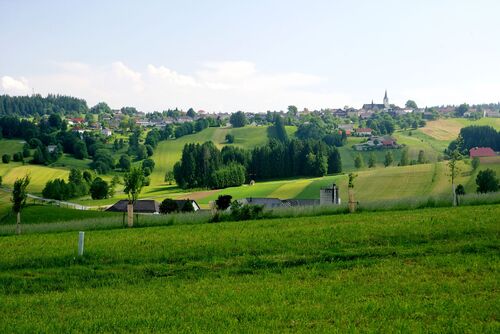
x=81 y=241
x=130 y=212
x=352 y=203
x=18 y=223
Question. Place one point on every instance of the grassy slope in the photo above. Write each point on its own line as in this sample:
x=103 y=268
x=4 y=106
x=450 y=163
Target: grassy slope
x=417 y=271
x=11 y=146
x=448 y=129
x=169 y=152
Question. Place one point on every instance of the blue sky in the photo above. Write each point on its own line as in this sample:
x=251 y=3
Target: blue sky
x=252 y=55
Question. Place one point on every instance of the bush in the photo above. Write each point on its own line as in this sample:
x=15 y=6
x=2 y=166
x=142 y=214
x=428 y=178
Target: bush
x=487 y=181
x=188 y=206
x=232 y=175
x=18 y=157
x=229 y=138
x=168 y=206
x=223 y=202
x=6 y=158
x=460 y=190
x=99 y=189
x=246 y=212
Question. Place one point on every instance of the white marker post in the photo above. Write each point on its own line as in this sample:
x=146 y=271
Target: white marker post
x=81 y=241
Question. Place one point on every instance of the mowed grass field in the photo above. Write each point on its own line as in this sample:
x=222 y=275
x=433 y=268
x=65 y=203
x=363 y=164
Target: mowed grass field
x=431 y=270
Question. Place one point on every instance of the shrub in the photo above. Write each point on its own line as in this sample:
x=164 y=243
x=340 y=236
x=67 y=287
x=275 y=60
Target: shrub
x=246 y=212
x=460 y=190
x=229 y=138
x=6 y=158
x=99 y=189
x=168 y=205
x=487 y=181
x=188 y=206
x=223 y=202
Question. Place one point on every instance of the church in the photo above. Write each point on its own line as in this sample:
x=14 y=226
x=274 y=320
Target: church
x=378 y=106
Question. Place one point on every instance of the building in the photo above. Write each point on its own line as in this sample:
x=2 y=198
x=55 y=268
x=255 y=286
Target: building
x=268 y=203
x=329 y=195
x=51 y=148
x=140 y=206
x=363 y=132
x=480 y=152
x=106 y=132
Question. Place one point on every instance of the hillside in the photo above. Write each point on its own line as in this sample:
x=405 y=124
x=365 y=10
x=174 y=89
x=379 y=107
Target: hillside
x=412 y=271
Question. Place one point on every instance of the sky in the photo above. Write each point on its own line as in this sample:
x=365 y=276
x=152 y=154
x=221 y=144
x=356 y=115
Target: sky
x=252 y=55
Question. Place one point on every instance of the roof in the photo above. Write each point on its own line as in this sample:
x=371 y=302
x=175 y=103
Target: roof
x=301 y=202
x=481 y=152
x=268 y=202
x=140 y=206
x=363 y=130
x=387 y=142
x=180 y=203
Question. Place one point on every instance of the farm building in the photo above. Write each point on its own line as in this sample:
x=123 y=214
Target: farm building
x=140 y=206
x=480 y=152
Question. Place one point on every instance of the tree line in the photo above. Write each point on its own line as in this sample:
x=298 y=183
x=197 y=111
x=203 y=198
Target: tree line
x=36 y=105
x=475 y=136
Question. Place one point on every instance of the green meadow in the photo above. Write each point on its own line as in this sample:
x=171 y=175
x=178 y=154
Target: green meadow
x=431 y=270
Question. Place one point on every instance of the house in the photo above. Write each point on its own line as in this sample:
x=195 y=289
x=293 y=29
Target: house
x=363 y=132
x=140 y=206
x=106 y=132
x=479 y=152
x=51 y=148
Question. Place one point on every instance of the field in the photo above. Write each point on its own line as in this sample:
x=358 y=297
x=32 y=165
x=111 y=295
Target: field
x=448 y=129
x=431 y=270
x=372 y=184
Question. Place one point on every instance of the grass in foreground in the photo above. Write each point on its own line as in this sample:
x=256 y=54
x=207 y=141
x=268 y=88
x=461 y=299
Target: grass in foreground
x=429 y=270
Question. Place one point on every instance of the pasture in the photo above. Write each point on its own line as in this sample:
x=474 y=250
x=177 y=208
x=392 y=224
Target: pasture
x=431 y=270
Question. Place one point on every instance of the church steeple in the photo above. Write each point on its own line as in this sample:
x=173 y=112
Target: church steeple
x=386 y=100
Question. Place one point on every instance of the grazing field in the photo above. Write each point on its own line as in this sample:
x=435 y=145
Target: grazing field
x=432 y=270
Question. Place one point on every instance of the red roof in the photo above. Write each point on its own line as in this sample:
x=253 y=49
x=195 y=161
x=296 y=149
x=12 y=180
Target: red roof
x=77 y=120
x=481 y=152
x=363 y=130
x=388 y=142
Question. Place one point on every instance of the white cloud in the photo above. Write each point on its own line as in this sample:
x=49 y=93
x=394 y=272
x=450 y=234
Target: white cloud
x=214 y=86
x=14 y=86
x=172 y=76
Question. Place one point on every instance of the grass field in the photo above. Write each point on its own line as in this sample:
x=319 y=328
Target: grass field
x=448 y=129
x=11 y=146
x=41 y=214
x=432 y=270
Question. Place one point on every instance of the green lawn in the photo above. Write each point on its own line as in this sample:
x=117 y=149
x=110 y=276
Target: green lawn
x=432 y=270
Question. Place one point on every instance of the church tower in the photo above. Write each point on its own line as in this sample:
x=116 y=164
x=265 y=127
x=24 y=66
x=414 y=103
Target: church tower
x=386 y=100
